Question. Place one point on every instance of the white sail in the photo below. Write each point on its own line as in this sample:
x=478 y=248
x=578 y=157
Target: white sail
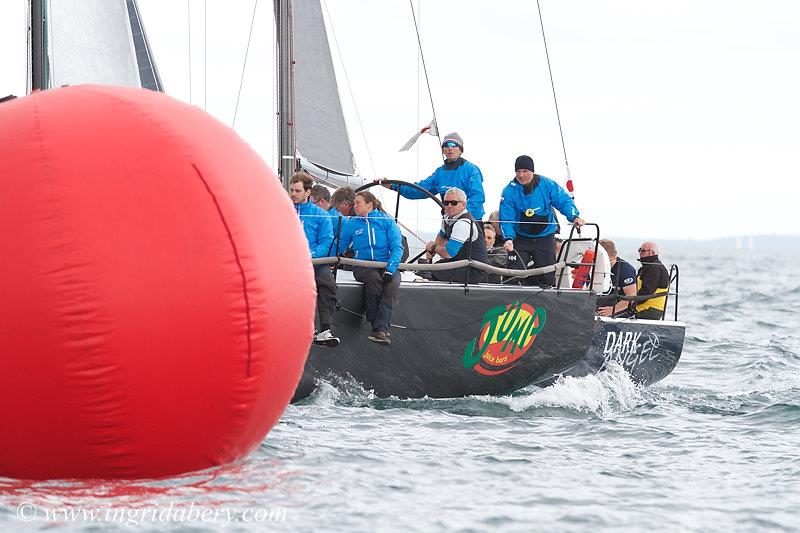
x=321 y=132
x=97 y=41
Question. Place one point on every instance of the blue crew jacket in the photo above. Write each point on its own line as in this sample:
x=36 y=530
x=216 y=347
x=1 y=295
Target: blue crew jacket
x=462 y=174
x=334 y=214
x=516 y=207
x=375 y=237
x=317 y=227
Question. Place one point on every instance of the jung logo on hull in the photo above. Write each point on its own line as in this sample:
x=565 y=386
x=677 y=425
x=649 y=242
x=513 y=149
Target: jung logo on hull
x=507 y=332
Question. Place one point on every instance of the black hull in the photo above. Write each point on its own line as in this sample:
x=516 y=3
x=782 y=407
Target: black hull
x=647 y=349
x=437 y=350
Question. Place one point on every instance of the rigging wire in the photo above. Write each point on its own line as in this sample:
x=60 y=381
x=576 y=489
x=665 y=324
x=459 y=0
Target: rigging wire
x=350 y=89
x=244 y=64
x=273 y=139
x=205 y=55
x=189 y=27
x=416 y=146
x=553 y=87
x=425 y=68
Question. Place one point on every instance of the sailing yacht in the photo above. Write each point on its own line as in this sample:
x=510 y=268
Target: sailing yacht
x=449 y=340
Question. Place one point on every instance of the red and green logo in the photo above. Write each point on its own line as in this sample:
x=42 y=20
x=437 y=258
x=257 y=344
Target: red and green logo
x=506 y=334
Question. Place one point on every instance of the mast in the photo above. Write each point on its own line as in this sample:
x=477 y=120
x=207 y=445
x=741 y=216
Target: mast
x=287 y=148
x=38 y=39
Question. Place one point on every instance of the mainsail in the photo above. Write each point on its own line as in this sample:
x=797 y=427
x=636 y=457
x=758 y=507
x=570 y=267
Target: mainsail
x=148 y=75
x=91 y=41
x=322 y=141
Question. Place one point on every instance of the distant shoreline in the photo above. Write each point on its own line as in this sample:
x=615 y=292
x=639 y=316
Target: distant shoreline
x=742 y=243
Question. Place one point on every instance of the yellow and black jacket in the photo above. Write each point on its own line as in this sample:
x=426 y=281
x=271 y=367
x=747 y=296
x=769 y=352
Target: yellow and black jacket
x=652 y=278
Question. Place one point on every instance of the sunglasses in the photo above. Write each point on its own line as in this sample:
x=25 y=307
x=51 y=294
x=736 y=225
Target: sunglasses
x=450 y=144
x=451 y=202
x=643 y=250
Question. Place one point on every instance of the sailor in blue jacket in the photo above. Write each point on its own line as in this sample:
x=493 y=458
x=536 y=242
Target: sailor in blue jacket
x=321 y=197
x=375 y=236
x=317 y=228
x=455 y=172
x=528 y=222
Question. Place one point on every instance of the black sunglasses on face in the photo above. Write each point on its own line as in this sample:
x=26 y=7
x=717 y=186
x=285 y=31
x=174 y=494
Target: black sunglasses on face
x=451 y=202
x=643 y=250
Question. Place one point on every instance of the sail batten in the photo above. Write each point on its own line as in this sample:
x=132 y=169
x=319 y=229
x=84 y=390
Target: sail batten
x=320 y=126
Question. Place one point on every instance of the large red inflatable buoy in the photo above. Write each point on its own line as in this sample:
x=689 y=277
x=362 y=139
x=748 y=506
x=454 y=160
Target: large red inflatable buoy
x=156 y=292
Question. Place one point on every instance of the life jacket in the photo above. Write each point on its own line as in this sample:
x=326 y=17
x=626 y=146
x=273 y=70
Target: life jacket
x=581 y=274
x=654 y=303
x=475 y=249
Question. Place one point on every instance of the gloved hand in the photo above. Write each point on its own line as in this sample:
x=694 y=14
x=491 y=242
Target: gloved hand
x=387 y=278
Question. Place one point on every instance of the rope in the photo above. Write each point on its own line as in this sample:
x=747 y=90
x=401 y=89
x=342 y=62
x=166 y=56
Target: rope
x=522 y=273
x=350 y=89
x=244 y=65
x=411 y=232
x=553 y=87
x=425 y=68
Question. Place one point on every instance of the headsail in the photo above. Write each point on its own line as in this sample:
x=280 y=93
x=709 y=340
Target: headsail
x=92 y=41
x=321 y=132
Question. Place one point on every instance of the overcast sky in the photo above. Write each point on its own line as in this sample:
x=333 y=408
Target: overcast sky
x=681 y=118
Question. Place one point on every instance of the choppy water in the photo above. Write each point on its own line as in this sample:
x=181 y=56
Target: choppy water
x=714 y=447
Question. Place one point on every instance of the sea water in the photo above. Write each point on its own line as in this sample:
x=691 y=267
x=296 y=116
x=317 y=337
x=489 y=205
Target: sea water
x=713 y=447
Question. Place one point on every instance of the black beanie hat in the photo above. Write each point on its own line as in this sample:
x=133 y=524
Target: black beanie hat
x=523 y=162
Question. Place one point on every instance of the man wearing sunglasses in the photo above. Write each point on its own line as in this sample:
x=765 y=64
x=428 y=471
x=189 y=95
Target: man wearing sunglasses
x=461 y=237
x=455 y=172
x=652 y=278
x=528 y=222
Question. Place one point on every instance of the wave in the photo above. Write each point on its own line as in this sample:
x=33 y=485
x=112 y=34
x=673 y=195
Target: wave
x=335 y=390
x=603 y=395
x=777 y=416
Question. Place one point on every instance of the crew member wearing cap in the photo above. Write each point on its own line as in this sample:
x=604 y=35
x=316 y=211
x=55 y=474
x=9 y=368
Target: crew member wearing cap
x=455 y=172
x=527 y=219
